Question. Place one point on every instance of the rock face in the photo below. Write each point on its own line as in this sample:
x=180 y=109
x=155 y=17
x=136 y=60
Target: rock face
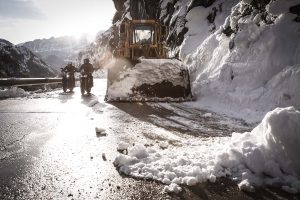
x=145 y=9
x=18 y=61
x=57 y=52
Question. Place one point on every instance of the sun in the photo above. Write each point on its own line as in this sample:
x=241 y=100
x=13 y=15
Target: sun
x=74 y=17
x=80 y=27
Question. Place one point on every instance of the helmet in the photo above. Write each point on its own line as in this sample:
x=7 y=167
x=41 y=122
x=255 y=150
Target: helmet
x=86 y=60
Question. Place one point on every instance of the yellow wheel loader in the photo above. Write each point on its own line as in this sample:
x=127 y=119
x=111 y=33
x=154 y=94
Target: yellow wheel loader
x=141 y=70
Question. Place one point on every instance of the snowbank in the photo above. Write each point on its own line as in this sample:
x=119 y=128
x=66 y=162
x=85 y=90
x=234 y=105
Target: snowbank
x=269 y=154
x=265 y=156
x=13 y=92
x=251 y=71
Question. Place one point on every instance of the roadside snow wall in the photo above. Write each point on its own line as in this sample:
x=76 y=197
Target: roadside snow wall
x=266 y=156
x=250 y=64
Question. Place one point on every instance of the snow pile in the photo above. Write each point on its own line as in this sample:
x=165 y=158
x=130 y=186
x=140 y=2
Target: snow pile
x=173 y=187
x=255 y=67
x=148 y=71
x=269 y=154
x=13 y=92
x=122 y=146
x=266 y=156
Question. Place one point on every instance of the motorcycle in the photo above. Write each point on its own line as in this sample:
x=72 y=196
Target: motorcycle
x=86 y=83
x=68 y=80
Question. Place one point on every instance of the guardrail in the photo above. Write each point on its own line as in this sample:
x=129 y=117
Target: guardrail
x=8 y=82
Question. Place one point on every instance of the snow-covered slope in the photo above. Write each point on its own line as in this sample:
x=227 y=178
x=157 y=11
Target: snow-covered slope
x=253 y=66
x=18 y=61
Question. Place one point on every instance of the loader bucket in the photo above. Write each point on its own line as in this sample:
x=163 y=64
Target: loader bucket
x=148 y=80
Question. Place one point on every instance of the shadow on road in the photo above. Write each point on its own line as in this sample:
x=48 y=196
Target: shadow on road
x=224 y=188
x=89 y=100
x=64 y=97
x=185 y=120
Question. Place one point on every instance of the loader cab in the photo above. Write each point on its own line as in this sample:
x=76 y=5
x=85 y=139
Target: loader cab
x=142 y=38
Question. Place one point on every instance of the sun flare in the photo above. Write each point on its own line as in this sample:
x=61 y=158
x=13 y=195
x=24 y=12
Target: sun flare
x=60 y=18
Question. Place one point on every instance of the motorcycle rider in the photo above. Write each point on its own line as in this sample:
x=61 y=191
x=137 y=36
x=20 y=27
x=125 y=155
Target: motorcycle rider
x=70 y=68
x=88 y=69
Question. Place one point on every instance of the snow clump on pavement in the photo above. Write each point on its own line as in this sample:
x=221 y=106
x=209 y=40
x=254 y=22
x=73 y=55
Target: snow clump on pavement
x=173 y=187
x=13 y=92
x=269 y=154
x=122 y=146
x=265 y=156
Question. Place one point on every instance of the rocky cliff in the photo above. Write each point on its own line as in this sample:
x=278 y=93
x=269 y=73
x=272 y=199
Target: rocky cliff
x=18 y=61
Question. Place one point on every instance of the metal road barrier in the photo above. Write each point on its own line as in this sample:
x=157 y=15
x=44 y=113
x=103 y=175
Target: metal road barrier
x=7 y=82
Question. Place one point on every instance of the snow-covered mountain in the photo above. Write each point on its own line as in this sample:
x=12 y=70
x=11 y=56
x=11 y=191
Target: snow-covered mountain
x=18 y=61
x=247 y=62
x=57 y=52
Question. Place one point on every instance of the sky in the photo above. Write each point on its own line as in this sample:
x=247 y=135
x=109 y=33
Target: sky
x=26 y=20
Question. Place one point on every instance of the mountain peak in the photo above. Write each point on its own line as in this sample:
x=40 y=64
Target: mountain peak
x=4 y=42
x=18 y=61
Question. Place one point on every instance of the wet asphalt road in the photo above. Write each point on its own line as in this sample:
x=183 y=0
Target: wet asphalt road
x=49 y=148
